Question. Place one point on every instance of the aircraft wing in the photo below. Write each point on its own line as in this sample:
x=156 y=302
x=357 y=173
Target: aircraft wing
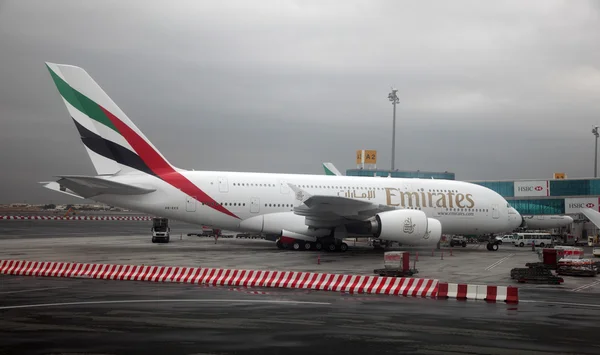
x=90 y=186
x=321 y=209
x=592 y=215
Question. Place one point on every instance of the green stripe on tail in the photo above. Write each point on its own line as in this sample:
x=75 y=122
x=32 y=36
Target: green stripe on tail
x=80 y=101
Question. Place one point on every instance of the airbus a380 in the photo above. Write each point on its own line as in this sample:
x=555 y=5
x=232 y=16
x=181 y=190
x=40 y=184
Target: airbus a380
x=313 y=211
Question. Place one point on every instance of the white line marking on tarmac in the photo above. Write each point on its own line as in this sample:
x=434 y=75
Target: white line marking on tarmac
x=585 y=287
x=562 y=303
x=32 y=290
x=499 y=262
x=40 y=305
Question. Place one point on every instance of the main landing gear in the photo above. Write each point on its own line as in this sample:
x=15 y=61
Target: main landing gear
x=297 y=245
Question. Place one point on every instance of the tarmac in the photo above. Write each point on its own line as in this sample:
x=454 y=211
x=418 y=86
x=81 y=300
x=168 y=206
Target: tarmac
x=61 y=315
x=128 y=242
x=53 y=315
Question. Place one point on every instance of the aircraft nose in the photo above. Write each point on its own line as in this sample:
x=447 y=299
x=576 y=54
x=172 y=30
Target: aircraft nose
x=516 y=220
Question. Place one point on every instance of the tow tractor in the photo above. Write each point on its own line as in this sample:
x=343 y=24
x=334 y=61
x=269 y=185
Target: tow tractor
x=458 y=240
x=160 y=230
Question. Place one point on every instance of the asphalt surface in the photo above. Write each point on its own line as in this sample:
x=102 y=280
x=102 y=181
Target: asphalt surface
x=65 y=316
x=128 y=242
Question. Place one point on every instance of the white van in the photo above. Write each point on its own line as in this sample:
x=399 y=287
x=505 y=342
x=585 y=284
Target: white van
x=525 y=239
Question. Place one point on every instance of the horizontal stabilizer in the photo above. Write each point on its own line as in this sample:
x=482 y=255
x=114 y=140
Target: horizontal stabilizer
x=90 y=186
x=55 y=186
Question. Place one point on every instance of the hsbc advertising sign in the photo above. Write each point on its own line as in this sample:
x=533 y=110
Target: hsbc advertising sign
x=574 y=205
x=532 y=188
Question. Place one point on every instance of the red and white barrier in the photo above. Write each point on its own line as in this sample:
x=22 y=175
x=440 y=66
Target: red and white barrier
x=508 y=294
x=398 y=286
x=79 y=218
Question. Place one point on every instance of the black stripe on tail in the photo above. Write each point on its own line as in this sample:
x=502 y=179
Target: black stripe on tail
x=111 y=150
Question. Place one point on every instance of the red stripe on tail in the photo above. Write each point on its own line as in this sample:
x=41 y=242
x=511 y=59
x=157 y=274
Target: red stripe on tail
x=160 y=167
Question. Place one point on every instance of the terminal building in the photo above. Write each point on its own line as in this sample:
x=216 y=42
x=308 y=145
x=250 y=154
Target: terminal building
x=556 y=196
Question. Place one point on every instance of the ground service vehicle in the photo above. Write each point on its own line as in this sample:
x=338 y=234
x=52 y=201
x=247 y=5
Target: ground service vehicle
x=540 y=239
x=160 y=230
x=508 y=238
x=458 y=240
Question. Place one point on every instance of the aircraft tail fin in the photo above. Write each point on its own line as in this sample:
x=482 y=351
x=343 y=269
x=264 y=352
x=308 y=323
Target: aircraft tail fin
x=330 y=169
x=592 y=215
x=113 y=142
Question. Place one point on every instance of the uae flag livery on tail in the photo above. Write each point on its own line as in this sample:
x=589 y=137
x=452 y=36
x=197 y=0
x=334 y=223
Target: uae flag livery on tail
x=113 y=142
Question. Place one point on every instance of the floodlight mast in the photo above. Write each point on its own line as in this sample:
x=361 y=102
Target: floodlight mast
x=393 y=97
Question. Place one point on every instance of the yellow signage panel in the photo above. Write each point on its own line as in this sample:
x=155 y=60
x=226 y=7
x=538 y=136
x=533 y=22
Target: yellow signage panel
x=560 y=176
x=370 y=157
x=359 y=155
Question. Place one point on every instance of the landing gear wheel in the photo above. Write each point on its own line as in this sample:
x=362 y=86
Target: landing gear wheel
x=296 y=246
x=331 y=247
x=343 y=247
x=307 y=245
x=318 y=246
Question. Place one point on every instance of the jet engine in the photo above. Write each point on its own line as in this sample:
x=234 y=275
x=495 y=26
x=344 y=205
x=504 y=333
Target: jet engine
x=408 y=227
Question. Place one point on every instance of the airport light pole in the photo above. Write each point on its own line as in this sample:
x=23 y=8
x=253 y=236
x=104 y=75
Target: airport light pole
x=596 y=134
x=393 y=97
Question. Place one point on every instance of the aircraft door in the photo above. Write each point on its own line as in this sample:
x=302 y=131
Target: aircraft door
x=223 y=184
x=495 y=212
x=190 y=203
x=254 y=205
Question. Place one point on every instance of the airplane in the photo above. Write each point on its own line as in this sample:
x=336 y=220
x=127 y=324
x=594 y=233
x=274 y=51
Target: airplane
x=529 y=221
x=306 y=211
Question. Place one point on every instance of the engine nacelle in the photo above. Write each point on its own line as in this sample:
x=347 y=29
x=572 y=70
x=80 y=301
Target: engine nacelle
x=408 y=227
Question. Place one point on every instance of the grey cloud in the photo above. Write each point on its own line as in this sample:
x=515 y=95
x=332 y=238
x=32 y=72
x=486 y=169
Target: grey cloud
x=488 y=90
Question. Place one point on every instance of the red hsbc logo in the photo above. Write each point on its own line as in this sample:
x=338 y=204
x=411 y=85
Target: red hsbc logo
x=590 y=205
x=538 y=188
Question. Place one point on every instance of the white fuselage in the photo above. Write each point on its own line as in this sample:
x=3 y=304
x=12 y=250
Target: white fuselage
x=462 y=208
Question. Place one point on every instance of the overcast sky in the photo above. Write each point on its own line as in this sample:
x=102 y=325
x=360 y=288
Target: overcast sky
x=488 y=90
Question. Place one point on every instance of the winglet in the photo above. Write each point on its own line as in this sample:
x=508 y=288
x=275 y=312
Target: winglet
x=301 y=195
